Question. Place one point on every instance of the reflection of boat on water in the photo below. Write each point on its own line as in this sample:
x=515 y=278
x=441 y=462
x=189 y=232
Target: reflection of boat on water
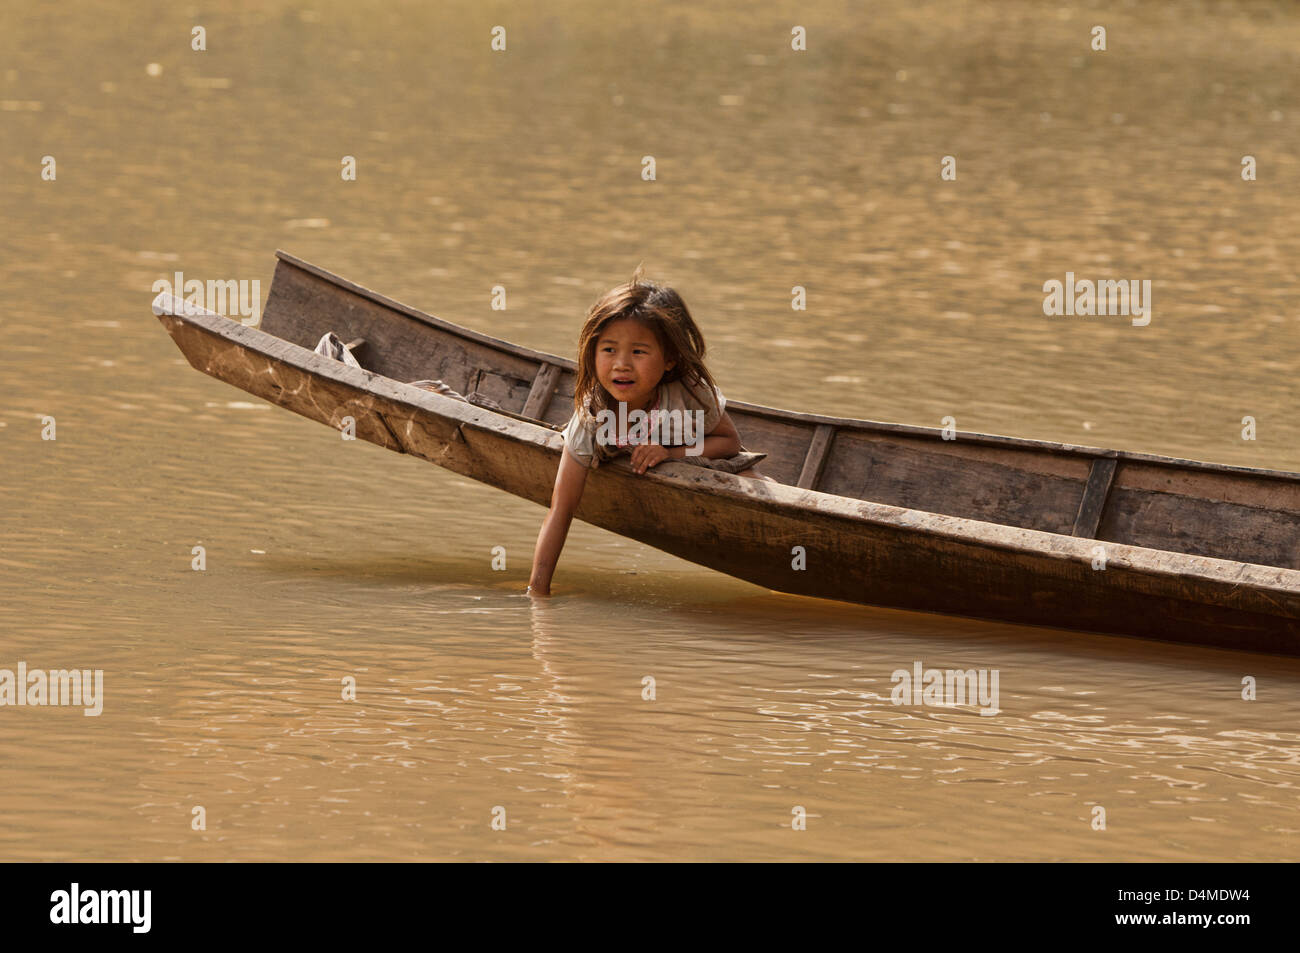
x=881 y=514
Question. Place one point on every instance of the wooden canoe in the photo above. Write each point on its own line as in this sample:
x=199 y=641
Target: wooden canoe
x=886 y=515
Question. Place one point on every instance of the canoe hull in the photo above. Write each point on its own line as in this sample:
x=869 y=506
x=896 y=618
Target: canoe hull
x=852 y=550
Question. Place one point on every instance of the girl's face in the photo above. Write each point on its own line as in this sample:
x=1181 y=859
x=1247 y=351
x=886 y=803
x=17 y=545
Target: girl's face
x=630 y=363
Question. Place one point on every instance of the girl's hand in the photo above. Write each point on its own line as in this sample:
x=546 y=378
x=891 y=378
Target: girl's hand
x=646 y=456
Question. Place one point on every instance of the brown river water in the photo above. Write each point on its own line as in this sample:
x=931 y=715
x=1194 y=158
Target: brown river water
x=326 y=560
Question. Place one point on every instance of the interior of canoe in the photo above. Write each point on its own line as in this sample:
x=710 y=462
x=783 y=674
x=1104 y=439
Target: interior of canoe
x=1182 y=506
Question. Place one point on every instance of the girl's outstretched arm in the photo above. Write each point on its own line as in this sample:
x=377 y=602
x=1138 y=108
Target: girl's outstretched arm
x=569 y=483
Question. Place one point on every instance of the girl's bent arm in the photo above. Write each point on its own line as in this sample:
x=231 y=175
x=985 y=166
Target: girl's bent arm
x=569 y=483
x=724 y=441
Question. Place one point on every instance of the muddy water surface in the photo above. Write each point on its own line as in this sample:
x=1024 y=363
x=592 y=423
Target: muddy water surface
x=328 y=560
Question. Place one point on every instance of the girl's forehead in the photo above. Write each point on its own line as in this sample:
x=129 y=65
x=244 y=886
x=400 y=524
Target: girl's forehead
x=637 y=331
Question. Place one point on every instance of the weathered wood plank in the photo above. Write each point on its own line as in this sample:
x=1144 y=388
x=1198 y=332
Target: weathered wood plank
x=994 y=484
x=1095 y=493
x=1201 y=526
x=543 y=389
x=816 y=458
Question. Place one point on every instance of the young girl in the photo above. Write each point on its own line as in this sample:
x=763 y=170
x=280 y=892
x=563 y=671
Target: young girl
x=639 y=348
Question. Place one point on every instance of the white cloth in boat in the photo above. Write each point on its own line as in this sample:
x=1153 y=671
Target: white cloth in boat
x=331 y=345
x=581 y=430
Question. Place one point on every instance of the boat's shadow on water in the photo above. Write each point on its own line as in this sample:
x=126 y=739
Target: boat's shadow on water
x=713 y=603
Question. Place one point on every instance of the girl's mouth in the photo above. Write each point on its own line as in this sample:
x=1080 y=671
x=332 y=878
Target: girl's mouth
x=618 y=382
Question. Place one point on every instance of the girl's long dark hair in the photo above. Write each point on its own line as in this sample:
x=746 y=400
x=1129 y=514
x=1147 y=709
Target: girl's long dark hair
x=659 y=308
